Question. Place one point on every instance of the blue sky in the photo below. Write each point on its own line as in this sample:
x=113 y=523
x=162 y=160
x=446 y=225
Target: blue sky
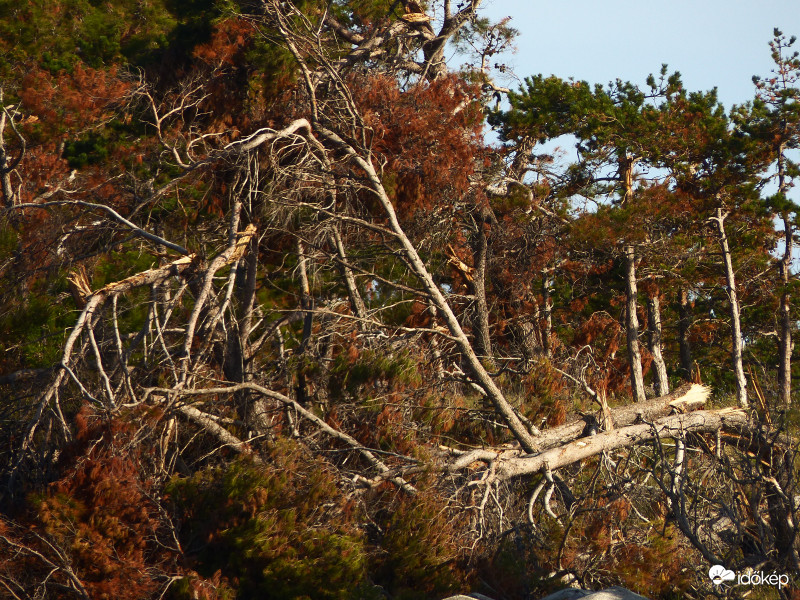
x=713 y=43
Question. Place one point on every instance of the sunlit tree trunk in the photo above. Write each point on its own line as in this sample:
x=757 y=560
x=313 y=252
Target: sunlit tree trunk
x=660 y=380
x=785 y=319
x=736 y=326
x=253 y=410
x=625 y=174
x=632 y=327
x=306 y=301
x=785 y=325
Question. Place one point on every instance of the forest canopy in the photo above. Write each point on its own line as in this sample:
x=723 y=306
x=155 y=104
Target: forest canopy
x=293 y=308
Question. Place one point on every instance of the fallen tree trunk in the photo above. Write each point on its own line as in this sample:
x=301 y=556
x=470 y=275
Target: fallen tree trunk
x=686 y=398
x=671 y=426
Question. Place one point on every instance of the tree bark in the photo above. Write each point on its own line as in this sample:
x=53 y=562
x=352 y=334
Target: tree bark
x=660 y=380
x=632 y=327
x=736 y=326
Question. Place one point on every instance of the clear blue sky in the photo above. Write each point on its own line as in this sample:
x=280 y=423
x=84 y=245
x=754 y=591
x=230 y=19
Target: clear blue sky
x=713 y=43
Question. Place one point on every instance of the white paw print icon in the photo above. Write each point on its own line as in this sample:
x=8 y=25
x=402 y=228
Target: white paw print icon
x=718 y=574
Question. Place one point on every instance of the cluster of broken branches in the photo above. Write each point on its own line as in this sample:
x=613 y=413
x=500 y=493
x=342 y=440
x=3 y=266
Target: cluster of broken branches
x=216 y=362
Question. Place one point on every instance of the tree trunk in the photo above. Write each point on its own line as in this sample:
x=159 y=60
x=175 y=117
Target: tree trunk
x=624 y=437
x=785 y=319
x=252 y=410
x=307 y=304
x=306 y=301
x=736 y=326
x=5 y=180
x=480 y=316
x=548 y=317
x=356 y=301
x=527 y=332
x=625 y=174
x=684 y=323
x=478 y=372
x=780 y=508
x=660 y=380
x=785 y=325
x=438 y=361
x=7 y=163
x=632 y=327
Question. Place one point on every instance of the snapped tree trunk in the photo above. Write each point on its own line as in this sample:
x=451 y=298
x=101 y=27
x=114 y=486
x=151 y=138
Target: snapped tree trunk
x=660 y=380
x=632 y=327
x=675 y=425
x=625 y=174
x=736 y=326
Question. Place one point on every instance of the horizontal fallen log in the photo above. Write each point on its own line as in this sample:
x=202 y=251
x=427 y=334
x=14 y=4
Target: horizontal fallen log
x=686 y=398
x=702 y=421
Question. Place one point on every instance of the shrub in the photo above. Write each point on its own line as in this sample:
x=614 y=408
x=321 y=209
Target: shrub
x=279 y=530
